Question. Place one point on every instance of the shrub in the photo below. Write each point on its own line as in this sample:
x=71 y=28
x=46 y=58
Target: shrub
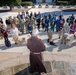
x=27 y=3
x=10 y=2
x=62 y=2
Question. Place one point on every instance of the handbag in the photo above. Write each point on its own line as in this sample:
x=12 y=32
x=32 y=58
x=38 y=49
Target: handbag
x=7 y=43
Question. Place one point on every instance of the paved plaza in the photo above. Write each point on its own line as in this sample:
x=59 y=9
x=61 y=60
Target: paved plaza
x=62 y=57
x=42 y=35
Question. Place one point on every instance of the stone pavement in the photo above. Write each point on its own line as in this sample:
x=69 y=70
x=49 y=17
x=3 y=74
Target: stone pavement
x=54 y=68
x=57 y=64
x=17 y=55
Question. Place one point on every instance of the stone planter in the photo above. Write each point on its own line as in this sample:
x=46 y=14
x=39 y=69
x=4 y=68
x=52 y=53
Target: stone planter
x=53 y=6
x=69 y=6
x=7 y=7
x=19 y=6
x=40 y=6
x=60 y=6
x=33 y=6
x=47 y=6
x=25 y=6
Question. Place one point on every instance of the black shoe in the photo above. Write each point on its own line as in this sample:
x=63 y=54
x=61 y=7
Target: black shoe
x=15 y=43
x=59 y=37
x=61 y=42
x=52 y=43
x=47 y=40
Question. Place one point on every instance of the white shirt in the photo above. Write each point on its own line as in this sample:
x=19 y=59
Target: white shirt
x=14 y=32
x=35 y=32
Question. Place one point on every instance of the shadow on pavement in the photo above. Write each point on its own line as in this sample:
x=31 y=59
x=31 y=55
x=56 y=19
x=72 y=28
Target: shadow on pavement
x=12 y=46
x=4 y=10
x=62 y=47
x=27 y=70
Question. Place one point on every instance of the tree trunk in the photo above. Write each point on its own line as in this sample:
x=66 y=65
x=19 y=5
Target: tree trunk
x=11 y=7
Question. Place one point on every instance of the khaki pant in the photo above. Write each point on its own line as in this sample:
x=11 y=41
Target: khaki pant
x=63 y=39
x=16 y=40
x=60 y=33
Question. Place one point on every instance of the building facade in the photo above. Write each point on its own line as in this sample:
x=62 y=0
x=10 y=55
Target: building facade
x=45 y=1
x=42 y=1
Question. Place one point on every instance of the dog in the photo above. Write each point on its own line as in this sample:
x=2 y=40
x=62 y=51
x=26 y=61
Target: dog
x=69 y=39
x=23 y=40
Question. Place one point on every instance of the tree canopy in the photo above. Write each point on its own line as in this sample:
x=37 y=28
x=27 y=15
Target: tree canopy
x=9 y=2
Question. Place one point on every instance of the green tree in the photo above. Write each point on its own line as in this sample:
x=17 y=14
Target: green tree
x=9 y=2
x=70 y=2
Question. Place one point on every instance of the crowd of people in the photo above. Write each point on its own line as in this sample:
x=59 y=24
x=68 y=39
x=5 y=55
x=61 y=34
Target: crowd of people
x=32 y=22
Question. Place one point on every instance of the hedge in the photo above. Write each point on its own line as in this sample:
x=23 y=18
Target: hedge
x=9 y=2
x=28 y=3
x=62 y=3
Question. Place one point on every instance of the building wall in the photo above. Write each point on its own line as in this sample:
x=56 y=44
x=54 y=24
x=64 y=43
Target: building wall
x=40 y=1
x=45 y=1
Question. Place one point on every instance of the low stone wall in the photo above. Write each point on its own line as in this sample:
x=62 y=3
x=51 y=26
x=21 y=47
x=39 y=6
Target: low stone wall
x=53 y=68
x=14 y=70
x=55 y=64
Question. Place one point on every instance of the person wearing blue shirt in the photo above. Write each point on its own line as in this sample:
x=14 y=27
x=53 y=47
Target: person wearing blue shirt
x=50 y=19
x=30 y=28
x=53 y=23
x=72 y=18
x=57 y=23
x=46 y=24
x=39 y=15
x=69 y=20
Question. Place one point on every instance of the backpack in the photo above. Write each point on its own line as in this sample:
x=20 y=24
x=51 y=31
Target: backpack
x=7 y=43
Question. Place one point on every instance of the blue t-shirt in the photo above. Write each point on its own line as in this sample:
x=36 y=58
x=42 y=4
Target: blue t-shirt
x=57 y=22
x=30 y=28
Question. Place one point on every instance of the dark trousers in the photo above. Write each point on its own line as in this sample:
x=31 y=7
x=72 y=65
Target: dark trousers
x=43 y=25
x=47 y=28
x=5 y=38
x=38 y=25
